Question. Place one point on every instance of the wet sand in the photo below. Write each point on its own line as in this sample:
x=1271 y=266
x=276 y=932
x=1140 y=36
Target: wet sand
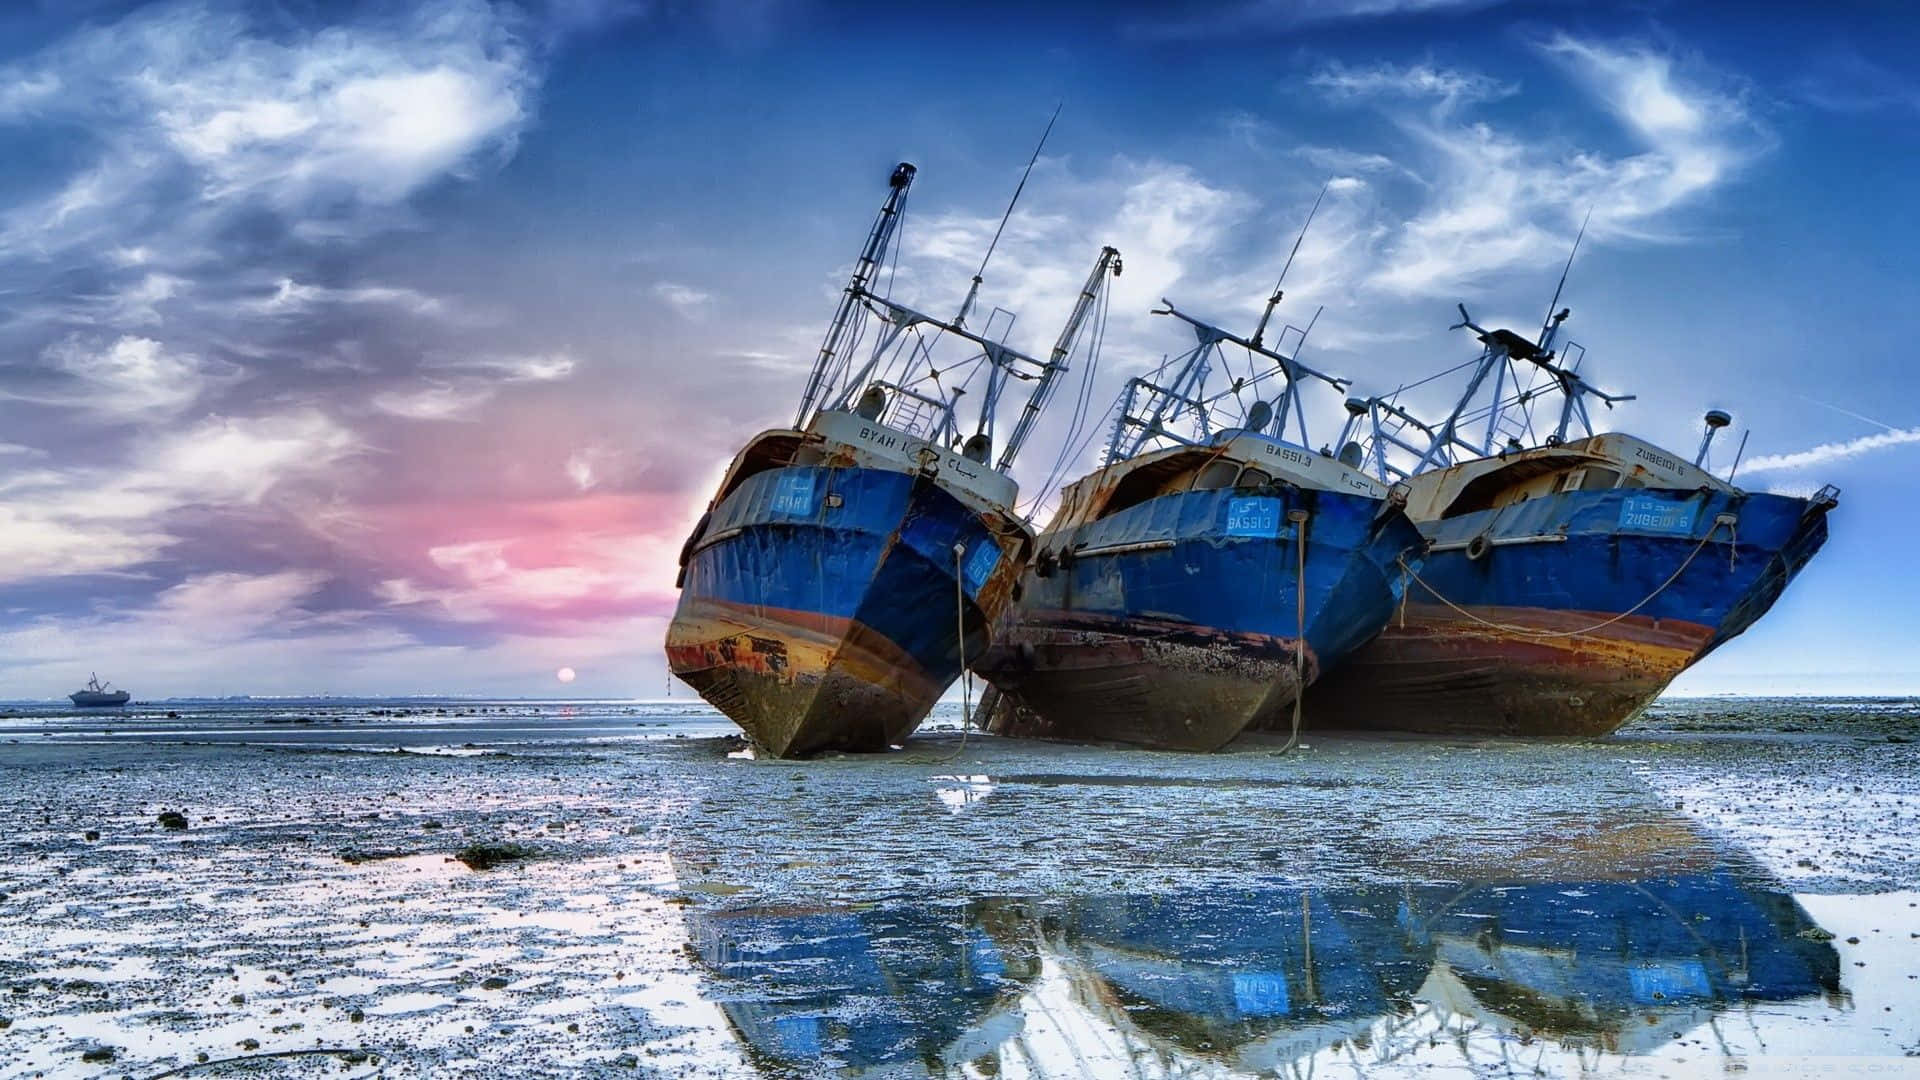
x=1659 y=902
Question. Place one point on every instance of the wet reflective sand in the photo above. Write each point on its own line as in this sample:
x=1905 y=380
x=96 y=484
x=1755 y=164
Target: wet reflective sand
x=1726 y=886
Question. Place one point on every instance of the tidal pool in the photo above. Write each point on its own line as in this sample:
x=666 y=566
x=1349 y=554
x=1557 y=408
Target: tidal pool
x=1724 y=887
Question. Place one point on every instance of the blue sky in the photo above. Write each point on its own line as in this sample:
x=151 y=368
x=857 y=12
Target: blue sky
x=362 y=349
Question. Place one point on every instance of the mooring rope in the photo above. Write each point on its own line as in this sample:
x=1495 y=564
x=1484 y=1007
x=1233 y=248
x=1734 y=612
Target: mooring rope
x=966 y=677
x=1530 y=632
x=1300 y=623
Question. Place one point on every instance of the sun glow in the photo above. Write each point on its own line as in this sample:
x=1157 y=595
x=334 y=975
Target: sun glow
x=565 y=674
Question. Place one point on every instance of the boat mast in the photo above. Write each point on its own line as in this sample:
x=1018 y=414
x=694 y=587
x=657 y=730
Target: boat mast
x=1183 y=394
x=1274 y=300
x=1498 y=349
x=820 y=384
x=1107 y=263
x=1003 y=362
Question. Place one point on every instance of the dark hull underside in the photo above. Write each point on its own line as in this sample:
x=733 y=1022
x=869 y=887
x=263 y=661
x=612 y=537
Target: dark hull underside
x=1444 y=674
x=1174 y=689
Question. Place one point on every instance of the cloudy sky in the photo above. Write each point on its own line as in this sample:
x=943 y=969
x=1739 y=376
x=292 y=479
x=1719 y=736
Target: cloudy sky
x=356 y=350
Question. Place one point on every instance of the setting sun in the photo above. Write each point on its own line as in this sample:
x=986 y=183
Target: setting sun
x=565 y=674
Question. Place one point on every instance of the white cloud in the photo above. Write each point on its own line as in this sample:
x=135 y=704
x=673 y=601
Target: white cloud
x=435 y=401
x=56 y=522
x=458 y=397
x=130 y=379
x=1501 y=200
x=290 y=298
x=241 y=459
x=372 y=111
x=230 y=607
x=1334 y=159
x=586 y=576
x=1272 y=15
x=1833 y=451
x=26 y=93
x=579 y=469
x=602 y=467
x=1449 y=87
x=690 y=302
x=312 y=123
x=543 y=367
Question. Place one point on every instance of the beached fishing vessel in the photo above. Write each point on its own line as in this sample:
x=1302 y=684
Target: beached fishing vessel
x=1208 y=570
x=847 y=565
x=1568 y=580
x=98 y=695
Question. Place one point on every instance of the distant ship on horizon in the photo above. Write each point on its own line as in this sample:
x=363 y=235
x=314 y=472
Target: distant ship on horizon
x=98 y=696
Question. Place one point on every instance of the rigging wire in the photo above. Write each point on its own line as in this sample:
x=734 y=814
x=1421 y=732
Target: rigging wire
x=899 y=243
x=1083 y=400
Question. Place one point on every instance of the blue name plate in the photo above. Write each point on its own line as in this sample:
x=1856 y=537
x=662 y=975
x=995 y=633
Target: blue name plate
x=793 y=494
x=980 y=563
x=1253 y=517
x=1644 y=514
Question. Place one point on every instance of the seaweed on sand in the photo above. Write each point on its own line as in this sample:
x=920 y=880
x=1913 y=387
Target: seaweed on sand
x=486 y=855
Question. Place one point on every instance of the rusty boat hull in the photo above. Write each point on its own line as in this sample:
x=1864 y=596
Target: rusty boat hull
x=1573 y=615
x=1173 y=624
x=821 y=606
x=1138 y=682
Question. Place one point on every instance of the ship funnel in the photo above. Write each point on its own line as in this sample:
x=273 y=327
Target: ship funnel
x=1716 y=419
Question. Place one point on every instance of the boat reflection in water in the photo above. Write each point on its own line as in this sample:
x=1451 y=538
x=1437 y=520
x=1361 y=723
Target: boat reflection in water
x=874 y=990
x=1261 y=980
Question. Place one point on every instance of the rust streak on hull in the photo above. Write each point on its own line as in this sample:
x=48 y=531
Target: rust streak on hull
x=1443 y=674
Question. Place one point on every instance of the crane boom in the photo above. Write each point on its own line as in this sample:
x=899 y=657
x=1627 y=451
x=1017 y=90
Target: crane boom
x=1108 y=262
x=819 y=384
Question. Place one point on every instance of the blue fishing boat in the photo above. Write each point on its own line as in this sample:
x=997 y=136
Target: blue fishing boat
x=848 y=565
x=1208 y=571
x=1568 y=578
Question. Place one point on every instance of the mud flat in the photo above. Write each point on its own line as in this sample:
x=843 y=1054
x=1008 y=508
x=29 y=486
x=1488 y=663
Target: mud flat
x=1723 y=884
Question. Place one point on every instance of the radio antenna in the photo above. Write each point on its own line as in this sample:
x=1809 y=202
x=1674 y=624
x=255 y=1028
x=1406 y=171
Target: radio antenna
x=1549 y=322
x=1274 y=300
x=973 y=293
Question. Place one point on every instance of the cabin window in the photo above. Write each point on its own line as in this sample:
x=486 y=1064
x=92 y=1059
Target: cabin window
x=1571 y=481
x=1599 y=479
x=1251 y=477
x=1217 y=474
x=1631 y=483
